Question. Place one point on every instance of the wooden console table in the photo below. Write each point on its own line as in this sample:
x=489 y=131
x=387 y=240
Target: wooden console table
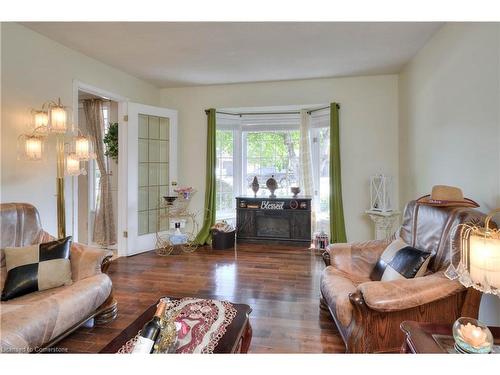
x=281 y=220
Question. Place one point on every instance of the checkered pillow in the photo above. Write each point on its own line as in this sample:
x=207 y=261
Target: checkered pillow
x=400 y=261
x=37 y=267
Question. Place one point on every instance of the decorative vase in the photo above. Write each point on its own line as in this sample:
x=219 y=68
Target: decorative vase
x=272 y=185
x=295 y=190
x=255 y=186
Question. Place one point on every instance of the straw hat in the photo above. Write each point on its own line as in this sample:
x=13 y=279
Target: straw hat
x=446 y=196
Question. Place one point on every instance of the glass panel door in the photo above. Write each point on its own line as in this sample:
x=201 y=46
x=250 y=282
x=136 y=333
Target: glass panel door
x=153 y=171
x=148 y=173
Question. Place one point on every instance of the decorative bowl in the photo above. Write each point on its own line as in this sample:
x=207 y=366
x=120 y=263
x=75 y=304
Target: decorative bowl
x=472 y=336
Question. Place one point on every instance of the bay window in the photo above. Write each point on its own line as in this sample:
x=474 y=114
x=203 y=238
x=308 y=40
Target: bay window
x=264 y=146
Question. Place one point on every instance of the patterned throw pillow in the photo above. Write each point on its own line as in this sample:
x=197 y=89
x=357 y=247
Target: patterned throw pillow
x=400 y=261
x=37 y=267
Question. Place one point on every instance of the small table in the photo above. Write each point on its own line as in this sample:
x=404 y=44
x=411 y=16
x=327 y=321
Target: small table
x=419 y=337
x=236 y=339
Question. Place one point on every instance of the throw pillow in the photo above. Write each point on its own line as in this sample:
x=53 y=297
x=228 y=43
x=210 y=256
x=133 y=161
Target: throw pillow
x=37 y=267
x=407 y=264
x=386 y=258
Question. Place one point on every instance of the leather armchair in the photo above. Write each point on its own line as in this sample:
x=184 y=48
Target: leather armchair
x=38 y=320
x=368 y=312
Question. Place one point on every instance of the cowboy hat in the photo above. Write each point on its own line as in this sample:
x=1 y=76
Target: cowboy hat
x=446 y=196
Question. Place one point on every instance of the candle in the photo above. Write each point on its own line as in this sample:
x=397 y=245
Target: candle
x=473 y=335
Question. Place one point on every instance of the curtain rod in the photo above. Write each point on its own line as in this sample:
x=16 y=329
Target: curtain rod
x=102 y=100
x=269 y=113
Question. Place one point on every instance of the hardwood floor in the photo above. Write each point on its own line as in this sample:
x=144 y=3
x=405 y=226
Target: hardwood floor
x=280 y=283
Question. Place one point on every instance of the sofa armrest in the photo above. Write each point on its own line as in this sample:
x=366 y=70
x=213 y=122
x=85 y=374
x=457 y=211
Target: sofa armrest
x=88 y=261
x=405 y=294
x=357 y=258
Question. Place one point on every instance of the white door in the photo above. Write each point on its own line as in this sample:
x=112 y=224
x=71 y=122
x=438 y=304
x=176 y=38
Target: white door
x=148 y=171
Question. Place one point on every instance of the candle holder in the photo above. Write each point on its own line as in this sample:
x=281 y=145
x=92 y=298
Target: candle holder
x=471 y=336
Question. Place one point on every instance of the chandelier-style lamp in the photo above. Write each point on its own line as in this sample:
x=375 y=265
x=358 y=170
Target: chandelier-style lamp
x=58 y=117
x=31 y=147
x=479 y=265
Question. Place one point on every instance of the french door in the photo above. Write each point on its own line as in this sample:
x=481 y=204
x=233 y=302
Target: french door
x=148 y=171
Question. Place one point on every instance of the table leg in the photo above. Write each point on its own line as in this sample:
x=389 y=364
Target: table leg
x=246 y=338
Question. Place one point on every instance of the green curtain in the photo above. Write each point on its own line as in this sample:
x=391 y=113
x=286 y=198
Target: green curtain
x=204 y=236
x=337 y=226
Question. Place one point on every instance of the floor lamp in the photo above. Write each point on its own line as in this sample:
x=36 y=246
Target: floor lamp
x=53 y=120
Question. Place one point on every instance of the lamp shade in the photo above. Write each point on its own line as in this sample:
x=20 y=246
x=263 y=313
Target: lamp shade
x=30 y=147
x=40 y=119
x=484 y=263
x=73 y=165
x=479 y=265
x=58 y=119
x=82 y=148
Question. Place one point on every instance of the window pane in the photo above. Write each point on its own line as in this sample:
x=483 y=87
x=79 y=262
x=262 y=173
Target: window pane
x=273 y=153
x=225 y=202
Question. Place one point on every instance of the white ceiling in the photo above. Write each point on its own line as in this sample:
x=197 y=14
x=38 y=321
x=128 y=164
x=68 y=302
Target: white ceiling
x=173 y=54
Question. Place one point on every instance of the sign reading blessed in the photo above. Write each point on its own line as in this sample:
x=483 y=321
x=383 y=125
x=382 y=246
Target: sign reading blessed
x=267 y=205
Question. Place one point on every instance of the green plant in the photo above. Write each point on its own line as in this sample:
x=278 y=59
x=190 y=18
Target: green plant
x=111 y=141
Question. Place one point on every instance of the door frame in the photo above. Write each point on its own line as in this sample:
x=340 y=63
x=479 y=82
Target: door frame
x=129 y=176
x=122 y=109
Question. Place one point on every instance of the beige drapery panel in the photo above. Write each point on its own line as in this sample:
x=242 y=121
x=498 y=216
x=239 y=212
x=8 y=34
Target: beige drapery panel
x=104 y=224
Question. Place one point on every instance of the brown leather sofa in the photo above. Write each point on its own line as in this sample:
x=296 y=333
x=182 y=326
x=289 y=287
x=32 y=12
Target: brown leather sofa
x=368 y=313
x=37 y=321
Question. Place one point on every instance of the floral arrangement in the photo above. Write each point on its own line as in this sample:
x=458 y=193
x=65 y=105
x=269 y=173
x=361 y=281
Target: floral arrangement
x=185 y=192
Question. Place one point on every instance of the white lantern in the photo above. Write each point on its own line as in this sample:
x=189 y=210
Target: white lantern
x=381 y=193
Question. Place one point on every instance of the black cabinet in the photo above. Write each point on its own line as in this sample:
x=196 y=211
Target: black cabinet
x=274 y=220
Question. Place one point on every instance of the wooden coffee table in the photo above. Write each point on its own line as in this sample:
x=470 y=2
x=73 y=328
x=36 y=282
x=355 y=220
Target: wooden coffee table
x=236 y=339
x=419 y=337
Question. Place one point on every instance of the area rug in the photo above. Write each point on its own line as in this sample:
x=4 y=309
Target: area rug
x=203 y=323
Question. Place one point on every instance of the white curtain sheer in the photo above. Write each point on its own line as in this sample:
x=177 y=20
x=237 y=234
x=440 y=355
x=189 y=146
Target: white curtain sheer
x=306 y=166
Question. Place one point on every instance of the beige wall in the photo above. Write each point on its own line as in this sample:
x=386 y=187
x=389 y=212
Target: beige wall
x=449 y=120
x=34 y=70
x=369 y=130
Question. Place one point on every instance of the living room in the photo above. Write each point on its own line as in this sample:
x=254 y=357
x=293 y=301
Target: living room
x=250 y=187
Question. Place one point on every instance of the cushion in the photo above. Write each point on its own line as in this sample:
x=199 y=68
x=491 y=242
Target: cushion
x=36 y=268
x=407 y=264
x=386 y=257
